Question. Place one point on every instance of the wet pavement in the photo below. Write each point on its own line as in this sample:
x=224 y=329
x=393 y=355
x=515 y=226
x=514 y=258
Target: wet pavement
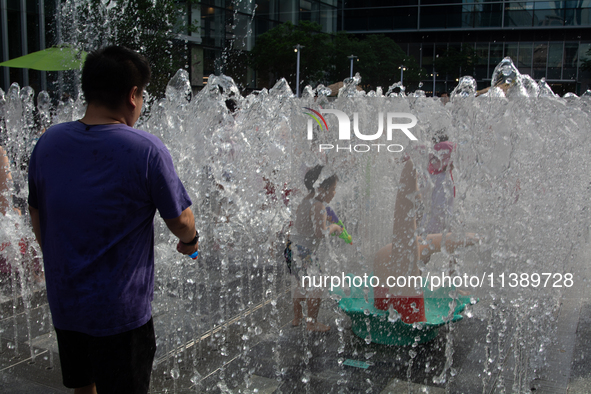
x=256 y=340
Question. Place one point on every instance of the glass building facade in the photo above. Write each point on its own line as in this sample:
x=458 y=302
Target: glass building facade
x=557 y=61
x=462 y=14
x=224 y=24
x=544 y=38
x=221 y=31
x=270 y=13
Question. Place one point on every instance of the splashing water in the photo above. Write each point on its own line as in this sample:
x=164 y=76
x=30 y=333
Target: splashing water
x=466 y=87
x=520 y=158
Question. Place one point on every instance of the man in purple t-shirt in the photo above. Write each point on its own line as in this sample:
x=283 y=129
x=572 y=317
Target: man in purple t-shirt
x=94 y=188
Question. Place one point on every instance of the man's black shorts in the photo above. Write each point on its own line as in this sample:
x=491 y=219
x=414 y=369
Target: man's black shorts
x=119 y=363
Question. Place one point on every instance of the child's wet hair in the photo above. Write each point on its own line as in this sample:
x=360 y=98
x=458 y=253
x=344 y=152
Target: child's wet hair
x=312 y=176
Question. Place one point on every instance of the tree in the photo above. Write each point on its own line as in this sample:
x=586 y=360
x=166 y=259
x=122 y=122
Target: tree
x=586 y=63
x=456 y=63
x=273 y=54
x=343 y=46
x=150 y=28
x=379 y=60
x=324 y=57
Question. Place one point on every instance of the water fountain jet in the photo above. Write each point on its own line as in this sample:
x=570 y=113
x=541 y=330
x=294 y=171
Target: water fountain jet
x=519 y=161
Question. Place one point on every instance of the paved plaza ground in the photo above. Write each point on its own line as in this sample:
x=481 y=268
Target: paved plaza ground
x=259 y=342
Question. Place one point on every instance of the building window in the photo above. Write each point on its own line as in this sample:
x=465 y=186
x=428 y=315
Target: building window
x=427 y=59
x=571 y=58
x=583 y=77
x=481 y=68
x=380 y=18
x=540 y=56
x=496 y=55
x=519 y=14
x=555 y=53
x=441 y=17
x=287 y=11
x=488 y=15
x=549 y=13
x=577 y=14
x=355 y=20
x=524 y=62
x=405 y=18
x=511 y=50
x=328 y=18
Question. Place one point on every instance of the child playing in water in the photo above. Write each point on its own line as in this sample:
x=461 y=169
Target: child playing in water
x=400 y=257
x=442 y=197
x=311 y=228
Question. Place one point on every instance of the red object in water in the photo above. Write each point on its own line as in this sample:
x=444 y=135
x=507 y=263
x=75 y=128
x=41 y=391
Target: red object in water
x=270 y=190
x=33 y=261
x=411 y=309
x=23 y=245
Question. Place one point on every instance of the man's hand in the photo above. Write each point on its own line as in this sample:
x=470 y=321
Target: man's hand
x=187 y=249
x=184 y=228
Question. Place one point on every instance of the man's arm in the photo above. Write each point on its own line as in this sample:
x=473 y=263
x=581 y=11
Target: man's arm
x=36 y=224
x=184 y=228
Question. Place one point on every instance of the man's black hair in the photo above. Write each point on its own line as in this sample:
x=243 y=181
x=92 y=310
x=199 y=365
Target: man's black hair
x=110 y=73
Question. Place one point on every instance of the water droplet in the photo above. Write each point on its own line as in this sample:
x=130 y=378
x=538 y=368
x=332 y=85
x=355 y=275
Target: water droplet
x=393 y=315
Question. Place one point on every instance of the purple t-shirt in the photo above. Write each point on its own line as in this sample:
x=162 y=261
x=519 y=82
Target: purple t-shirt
x=97 y=192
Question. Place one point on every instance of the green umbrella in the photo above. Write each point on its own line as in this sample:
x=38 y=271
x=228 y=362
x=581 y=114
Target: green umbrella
x=51 y=59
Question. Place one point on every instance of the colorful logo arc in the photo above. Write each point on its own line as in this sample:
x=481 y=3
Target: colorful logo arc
x=316 y=119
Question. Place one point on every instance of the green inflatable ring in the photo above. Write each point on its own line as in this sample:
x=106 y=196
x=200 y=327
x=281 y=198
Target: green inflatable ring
x=372 y=324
